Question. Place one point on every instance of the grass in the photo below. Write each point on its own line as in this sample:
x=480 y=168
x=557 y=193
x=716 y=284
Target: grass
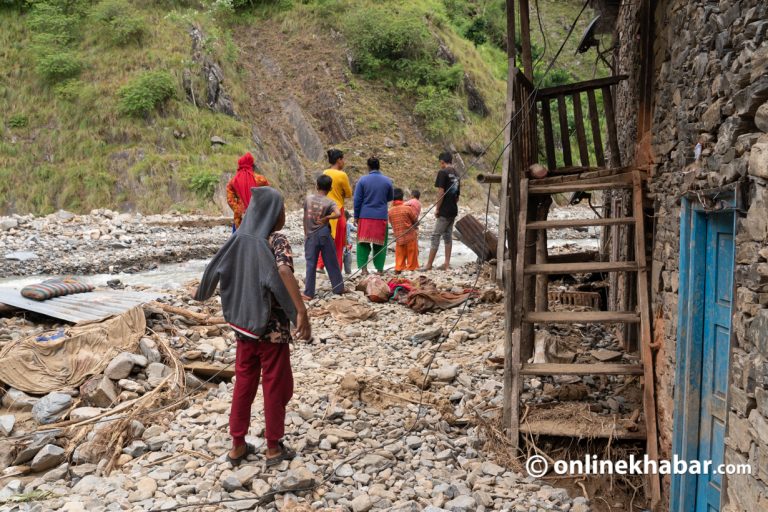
x=66 y=144
x=68 y=153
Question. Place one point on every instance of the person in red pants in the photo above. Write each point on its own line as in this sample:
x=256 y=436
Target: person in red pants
x=260 y=298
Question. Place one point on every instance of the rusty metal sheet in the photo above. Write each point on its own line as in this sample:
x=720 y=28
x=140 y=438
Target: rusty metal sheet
x=79 y=307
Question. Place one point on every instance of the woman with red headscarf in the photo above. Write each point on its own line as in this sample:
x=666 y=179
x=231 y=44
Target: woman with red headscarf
x=239 y=187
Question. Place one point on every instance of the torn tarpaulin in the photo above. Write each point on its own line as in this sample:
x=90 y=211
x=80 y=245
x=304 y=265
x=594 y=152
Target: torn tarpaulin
x=65 y=362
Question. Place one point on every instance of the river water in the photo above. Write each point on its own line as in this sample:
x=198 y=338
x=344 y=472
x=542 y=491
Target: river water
x=174 y=275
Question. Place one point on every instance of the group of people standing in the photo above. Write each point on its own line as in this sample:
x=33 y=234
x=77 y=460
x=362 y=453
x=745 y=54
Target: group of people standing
x=328 y=226
x=254 y=269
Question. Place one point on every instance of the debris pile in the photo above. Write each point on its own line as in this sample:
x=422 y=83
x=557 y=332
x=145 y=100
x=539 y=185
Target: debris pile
x=355 y=416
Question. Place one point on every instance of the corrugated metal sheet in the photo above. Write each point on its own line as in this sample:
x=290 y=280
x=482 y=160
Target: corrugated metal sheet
x=79 y=307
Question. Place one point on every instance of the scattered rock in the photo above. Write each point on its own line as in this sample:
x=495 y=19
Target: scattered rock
x=84 y=413
x=362 y=503
x=7 y=421
x=99 y=391
x=122 y=365
x=156 y=373
x=6 y=224
x=51 y=408
x=49 y=456
x=18 y=400
x=295 y=479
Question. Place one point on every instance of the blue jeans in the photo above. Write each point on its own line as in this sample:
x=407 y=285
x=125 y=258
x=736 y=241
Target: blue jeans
x=317 y=243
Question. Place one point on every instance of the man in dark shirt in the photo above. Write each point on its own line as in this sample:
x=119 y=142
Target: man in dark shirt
x=319 y=210
x=448 y=185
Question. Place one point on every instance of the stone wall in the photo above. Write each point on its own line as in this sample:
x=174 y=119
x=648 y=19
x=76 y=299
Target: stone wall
x=710 y=86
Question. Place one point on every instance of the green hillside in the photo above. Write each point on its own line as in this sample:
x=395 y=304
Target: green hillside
x=105 y=104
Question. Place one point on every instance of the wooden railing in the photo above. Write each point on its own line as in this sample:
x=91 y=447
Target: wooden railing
x=525 y=147
x=560 y=94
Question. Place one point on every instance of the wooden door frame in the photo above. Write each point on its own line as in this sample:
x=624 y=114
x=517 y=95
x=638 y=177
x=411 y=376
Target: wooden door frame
x=690 y=328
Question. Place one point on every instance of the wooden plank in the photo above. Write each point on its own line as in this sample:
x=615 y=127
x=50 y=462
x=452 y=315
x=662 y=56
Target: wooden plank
x=574 y=223
x=582 y=268
x=525 y=37
x=594 y=120
x=610 y=120
x=581 y=369
x=576 y=186
x=649 y=395
x=565 y=140
x=581 y=135
x=504 y=229
x=210 y=370
x=560 y=428
x=580 y=86
x=517 y=310
x=582 y=317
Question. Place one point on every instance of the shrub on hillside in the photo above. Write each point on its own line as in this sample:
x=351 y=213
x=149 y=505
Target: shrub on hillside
x=57 y=66
x=53 y=20
x=146 y=93
x=385 y=40
x=120 y=22
x=18 y=121
x=203 y=182
x=437 y=110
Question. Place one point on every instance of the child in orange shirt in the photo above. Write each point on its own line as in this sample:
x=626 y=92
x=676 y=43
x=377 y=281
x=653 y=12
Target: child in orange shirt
x=403 y=218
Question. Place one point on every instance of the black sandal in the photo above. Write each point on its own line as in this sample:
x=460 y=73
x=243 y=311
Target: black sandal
x=285 y=454
x=235 y=461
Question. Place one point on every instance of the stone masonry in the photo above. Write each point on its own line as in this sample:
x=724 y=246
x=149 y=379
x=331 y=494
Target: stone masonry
x=710 y=86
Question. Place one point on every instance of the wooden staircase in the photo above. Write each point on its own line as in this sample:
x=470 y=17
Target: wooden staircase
x=523 y=319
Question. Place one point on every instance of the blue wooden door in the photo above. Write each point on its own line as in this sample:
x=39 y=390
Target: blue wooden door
x=716 y=344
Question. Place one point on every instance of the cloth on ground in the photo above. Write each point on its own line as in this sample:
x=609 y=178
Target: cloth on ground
x=44 y=366
x=347 y=311
x=427 y=297
x=56 y=287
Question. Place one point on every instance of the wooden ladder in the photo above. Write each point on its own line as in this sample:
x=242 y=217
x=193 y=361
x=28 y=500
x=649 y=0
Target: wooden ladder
x=522 y=320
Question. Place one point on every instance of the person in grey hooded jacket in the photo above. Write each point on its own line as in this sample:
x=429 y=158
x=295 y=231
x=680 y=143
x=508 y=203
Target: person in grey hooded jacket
x=260 y=299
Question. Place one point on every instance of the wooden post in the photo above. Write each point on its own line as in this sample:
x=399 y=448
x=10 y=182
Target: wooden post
x=525 y=39
x=643 y=298
x=511 y=188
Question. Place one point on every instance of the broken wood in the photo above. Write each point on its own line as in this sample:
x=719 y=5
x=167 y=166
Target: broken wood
x=200 y=318
x=559 y=428
x=210 y=370
x=582 y=268
x=581 y=369
x=581 y=317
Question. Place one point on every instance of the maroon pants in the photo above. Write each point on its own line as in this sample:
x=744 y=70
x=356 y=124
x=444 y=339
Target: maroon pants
x=272 y=362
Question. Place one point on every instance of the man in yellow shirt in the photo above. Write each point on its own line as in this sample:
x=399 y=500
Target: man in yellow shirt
x=340 y=191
